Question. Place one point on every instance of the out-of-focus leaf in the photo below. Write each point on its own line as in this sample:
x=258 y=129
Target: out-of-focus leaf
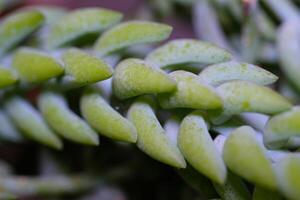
x=7 y=129
x=131 y=33
x=265 y=194
x=7 y=77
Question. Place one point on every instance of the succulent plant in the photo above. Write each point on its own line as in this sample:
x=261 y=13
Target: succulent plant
x=193 y=105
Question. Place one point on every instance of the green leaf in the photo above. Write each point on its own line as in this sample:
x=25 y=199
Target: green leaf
x=242 y=96
x=229 y=71
x=131 y=33
x=152 y=138
x=17 y=27
x=289 y=176
x=182 y=51
x=85 y=68
x=30 y=122
x=281 y=128
x=79 y=23
x=34 y=66
x=7 y=77
x=66 y=123
x=133 y=77
x=265 y=194
x=191 y=92
x=8 y=131
x=101 y=116
x=246 y=157
x=288 y=37
x=198 y=148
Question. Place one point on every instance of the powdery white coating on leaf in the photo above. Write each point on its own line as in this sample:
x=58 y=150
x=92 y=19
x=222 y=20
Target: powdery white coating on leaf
x=17 y=26
x=66 y=123
x=242 y=96
x=7 y=77
x=289 y=176
x=152 y=138
x=34 y=66
x=198 y=148
x=187 y=51
x=101 y=116
x=232 y=70
x=131 y=33
x=191 y=92
x=85 y=68
x=133 y=77
x=246 y=157
x=281 y=128
x=81 y=22
x=288 y=43
x=31 y=122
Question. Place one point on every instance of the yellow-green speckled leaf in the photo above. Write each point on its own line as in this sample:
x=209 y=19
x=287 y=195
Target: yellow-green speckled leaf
x=280 y=128
x=152 y=138
x=243 y=96
x=133 y=77
x=191 y=92
x=289 y=176
x=85 y=68
x=232 y=70
x=66 y=123
x=101 y=116
x=198 y=148
x=31 y=122
x=182 y=51
x=131 y=33
x=17 y=26
x=246 y=157
x=34 y=66
x=79 y=23
x=7 y=77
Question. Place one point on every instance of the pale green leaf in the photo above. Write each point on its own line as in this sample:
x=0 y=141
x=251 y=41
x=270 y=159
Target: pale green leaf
x=182 y=51
x=246 y=157
x=191 y=92
x=56 y=112
x=31 y=122
x=131 y=33
x=133 y=77
x=152 y=138
x=18 y=26
x=7 y=77
x=79 y=23
x=34 y=66
x=198 y=148
x=229 y=71
x=101 y=116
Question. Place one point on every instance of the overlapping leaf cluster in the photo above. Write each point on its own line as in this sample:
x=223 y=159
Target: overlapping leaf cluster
x=203 y=91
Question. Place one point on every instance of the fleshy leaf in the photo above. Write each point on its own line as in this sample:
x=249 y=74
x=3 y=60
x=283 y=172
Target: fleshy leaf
x=31 y=122
x=265 y=194
x=8 y=131
x=131 y=33
x=34 y=66
x=281 y=128
x=182 y=51
x=242 y=96
x=66 y=123
x=229 y=71
x=17 y=27
x=133 y=77
x=289 y=176
x=151 y=136
x=85 y=68
x=288 y=40
x=101 y=116
x=246 y=157
x=79 y=23
x=7 y=77
x=191 y=92
x=198 y=148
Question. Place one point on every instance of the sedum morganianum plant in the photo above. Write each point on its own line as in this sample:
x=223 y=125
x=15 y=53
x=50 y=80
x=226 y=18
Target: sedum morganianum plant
x=201 y=89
